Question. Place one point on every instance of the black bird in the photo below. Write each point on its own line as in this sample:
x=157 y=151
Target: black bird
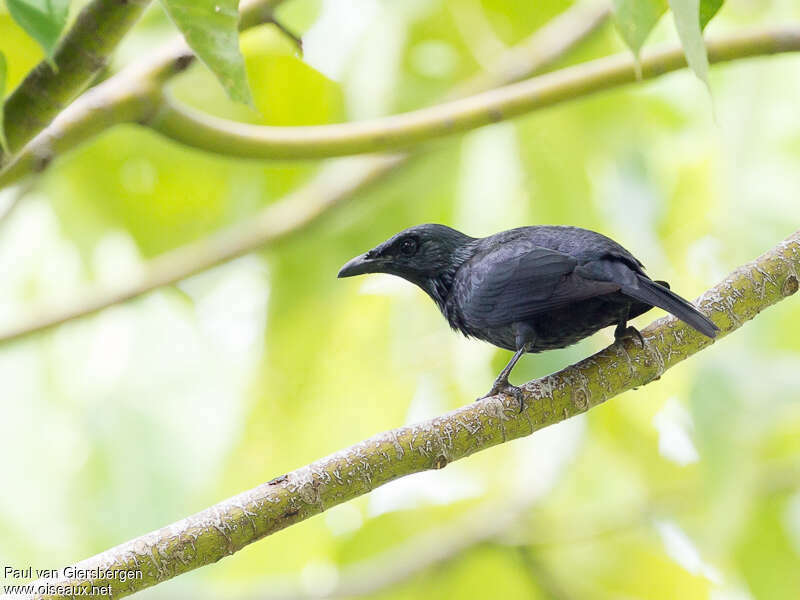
x=527 y=289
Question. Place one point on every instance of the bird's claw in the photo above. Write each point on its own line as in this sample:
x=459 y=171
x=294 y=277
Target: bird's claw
x=630 y=333
x=505 y=388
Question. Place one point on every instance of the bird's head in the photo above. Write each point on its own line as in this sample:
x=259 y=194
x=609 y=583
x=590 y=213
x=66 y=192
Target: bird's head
x=420 y=254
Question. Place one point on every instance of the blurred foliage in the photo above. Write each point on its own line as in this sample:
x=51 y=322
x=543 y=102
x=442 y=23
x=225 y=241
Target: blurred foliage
x=690 y=31
x=147 y=412
x=210 y=27
x=43 y=21
x=635 y=20
x=3 y=70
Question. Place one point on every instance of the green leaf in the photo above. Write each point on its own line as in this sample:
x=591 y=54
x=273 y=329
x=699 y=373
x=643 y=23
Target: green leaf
x=211 y=30
x=43 y=20
x=3 y=69
x=687 y=22
x=312 y=99
x=708 y=8
x=635 y=20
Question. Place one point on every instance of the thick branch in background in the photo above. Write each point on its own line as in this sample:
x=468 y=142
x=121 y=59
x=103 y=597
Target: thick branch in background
x=229 y=526
x=138 y=84
x=232 y=138
x=126 y=97
x=82 y=53
x=336 y=183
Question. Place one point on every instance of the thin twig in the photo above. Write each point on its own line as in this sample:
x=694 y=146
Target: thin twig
x=296 y=39
x=337 y=181
x=542 y=50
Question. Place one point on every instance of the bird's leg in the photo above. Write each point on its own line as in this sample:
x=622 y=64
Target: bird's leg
x=623 y=331
x=524 y=340
x=501 y=384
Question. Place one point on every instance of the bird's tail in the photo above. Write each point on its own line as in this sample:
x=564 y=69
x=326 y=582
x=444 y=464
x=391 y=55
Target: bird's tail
x=652 y=292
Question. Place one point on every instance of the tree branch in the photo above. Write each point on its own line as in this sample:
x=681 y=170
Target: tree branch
x=335 y=183
x=232 y=138
x=229 y=526
x=123 y=98
x=338 y=181
x=80 y=55
x=126 y=97
x=544 y=48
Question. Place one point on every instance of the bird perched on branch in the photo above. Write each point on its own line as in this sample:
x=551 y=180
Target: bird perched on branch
x=527 y=289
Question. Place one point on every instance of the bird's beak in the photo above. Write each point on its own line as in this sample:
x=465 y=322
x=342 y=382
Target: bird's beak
x=359 y=265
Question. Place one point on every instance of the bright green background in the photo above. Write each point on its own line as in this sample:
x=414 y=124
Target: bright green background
x=123 y=422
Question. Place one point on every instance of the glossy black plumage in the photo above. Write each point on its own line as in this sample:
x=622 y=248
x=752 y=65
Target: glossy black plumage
x=527 y=289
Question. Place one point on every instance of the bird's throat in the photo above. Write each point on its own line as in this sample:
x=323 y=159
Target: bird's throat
x=438 y=288
x=440 y=284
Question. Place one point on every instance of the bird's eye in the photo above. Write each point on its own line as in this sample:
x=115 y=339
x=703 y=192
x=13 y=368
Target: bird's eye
x=408 y=246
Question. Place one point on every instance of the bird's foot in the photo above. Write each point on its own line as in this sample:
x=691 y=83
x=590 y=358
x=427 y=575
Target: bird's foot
x=505 y=388
x=629 y=333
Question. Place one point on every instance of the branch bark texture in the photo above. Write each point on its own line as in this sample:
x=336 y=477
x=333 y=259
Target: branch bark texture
x=229 y=526
x=232 y=138
x=82 y=53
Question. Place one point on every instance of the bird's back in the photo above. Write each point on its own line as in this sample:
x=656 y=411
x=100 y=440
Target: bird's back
x=581 y=244
x=526 y=275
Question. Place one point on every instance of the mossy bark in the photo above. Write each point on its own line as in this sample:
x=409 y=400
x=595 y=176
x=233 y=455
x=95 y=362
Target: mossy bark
x=81 y=54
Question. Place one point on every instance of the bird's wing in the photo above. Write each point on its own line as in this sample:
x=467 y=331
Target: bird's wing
x=635 y=284
x=515 y=281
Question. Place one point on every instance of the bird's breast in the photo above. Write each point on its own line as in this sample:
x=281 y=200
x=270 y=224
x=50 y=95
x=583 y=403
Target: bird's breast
x=554 y=329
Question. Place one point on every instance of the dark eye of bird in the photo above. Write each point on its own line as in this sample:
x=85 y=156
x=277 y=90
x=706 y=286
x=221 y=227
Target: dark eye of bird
x=408 y=246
